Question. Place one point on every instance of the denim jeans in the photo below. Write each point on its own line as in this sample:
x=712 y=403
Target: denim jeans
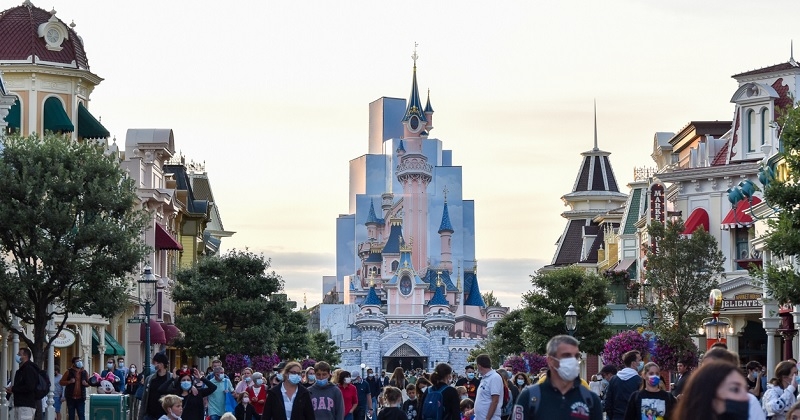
x=214 y=417
x=76 y=405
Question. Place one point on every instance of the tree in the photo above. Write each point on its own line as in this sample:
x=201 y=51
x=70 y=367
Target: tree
x=228 y=306
x=323 y=348
x=681 y=275
x=489 y=299
x=294 y=341
x=504 y=339
x=544 y=307
x=783 y=194
x=69 y=231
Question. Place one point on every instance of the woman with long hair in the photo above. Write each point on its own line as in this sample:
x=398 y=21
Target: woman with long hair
x=651 y=401
x=779 y=397
x=191 y=387
x=398 y=379
x=715 y=391
x=521 y=380
x=299 y=405
x=440 y=382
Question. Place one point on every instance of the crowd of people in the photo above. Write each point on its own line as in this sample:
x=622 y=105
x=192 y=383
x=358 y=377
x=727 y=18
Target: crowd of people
x=716 y=390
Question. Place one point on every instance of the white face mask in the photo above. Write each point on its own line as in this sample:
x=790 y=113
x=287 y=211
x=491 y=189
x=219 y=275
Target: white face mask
x=568 y=368
x=347 y=380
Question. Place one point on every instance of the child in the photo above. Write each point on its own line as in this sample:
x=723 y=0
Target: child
x=462 y=393
x=393 y=399
x=410 y=406
x=467 y=409
x=245 y=409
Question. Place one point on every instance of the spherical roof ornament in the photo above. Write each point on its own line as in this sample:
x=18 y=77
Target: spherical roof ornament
x=72 y=25
x=53 y=11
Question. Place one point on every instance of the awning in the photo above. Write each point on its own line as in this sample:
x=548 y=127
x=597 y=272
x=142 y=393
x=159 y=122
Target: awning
x=739 y=216
x=156 y=333
x=164 y=240
x=13 y=118
x=171 y=332
x=699 y=217
x=55 y=118
x=112 y=346
x=88 y=126
x=624 y=265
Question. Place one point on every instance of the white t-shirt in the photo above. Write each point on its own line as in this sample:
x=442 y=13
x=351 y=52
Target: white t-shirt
x=491 y=384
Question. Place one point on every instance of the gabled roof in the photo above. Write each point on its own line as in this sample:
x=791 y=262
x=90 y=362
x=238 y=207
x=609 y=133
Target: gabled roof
x=374 y=257
x=789 y=65
x=182 y=181
x=473 y=298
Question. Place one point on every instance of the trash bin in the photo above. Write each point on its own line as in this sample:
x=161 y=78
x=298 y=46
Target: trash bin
x=108 y=407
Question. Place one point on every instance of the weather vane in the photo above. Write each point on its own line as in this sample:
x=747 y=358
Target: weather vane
x=415 y=56
x=445 y=190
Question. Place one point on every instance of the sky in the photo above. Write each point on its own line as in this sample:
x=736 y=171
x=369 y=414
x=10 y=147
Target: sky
x=273 y=96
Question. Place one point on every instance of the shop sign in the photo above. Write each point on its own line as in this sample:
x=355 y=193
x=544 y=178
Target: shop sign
x=743 y=301
x=65 y=339
x=657 y=210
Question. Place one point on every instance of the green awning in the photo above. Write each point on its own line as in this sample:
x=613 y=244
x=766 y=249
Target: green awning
x=88 y=126
x=113 y=348
x=13 y=117
x=55 y=118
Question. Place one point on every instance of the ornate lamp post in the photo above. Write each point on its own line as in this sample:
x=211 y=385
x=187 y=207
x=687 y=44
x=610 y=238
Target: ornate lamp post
x=147 y=298
x=715 y=328
x=571 y=320
x=363 y=366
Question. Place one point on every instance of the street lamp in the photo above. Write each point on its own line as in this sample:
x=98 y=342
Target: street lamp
x=363 y=366
x=571 y=320
x=716 y=328
x=147 y=298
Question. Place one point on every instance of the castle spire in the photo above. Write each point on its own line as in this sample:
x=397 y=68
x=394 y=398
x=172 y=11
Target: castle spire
x=595 y=125
x=414 y=103
x=428 y=107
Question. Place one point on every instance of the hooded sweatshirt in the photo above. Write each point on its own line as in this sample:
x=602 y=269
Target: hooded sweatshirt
x=622 y=386
x=327 y=401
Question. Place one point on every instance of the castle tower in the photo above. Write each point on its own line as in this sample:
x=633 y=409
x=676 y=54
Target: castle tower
x=429 y=114
x=371 y=322
x=445 y=235
x=438 y=322
x=372 y=223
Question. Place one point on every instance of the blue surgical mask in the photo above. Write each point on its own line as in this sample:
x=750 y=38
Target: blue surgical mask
x=279 y=377
x=322 y=382
x=79 y=365
x=186 y=385
x=259 y=382
x=18 y=358
x=294 y=378
x=509 y=375
x=797 y=379
x=471 y=375
x=311 y=378
x=520 y=382
x=641 y=366
x=248 y=379
x=110 y=366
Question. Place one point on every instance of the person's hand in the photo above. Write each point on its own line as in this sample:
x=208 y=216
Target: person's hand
x=72 y=381
x=262 y=401
x=84 y=383
x=8 y=390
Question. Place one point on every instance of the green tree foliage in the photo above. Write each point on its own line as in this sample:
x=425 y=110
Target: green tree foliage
x=323 y=348
x=294 y=337
x=227 y=306
x=70 y=232
x=544 y=307
x=681 y=275
x=504 y=338
x=783 y=194
x=490 y=299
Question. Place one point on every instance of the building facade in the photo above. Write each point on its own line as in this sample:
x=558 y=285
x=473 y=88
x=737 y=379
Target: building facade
x=406 y=281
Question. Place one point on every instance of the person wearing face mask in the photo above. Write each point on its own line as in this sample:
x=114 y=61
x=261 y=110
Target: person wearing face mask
x=651 y=401
x=132 y=384
x=24 y=389
x=716 y=391
x=246 y=382
x=561 y=396
x=520 y=381
x=470 y=382
x=182 y=383
x=151 y=408
x=258 y=394
x=172 y=406
x=606 y=374
x=510 y=393
x=349 y=394
x=421 y=386
x=623 y=385
x=375 y=387
x=111 y=367
x=75 y=382
x=754 y=379
x=216 y=401
x=489 y=397
x=290 y=400
x=439 y=391
x=244 y=409
x=364 y=398
x=326 y=398
x=310 y=377
x=779 y=396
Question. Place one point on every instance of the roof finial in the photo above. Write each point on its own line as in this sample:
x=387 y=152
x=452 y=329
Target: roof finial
x=445 y=190
x=415 y=56
x=595 y=125
x=791 y=52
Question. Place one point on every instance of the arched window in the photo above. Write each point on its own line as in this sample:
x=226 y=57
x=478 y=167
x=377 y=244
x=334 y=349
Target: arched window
x=751 y=122
x=395 y=264
x=764 y=126
x=55 y=117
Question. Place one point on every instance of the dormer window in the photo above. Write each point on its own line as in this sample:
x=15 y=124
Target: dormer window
x=764 y=126
x=751 y=130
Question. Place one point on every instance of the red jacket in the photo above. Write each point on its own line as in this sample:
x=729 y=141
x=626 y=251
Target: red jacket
x=259 y=400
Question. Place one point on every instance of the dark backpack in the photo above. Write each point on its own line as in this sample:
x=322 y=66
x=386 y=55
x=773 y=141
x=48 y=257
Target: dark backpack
x=433 y=408
x=42 y=385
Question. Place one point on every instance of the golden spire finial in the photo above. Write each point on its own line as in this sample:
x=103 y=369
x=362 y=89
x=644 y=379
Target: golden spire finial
x=439 y=278
x=415 y=56
x=371 y=279
x=445 y=190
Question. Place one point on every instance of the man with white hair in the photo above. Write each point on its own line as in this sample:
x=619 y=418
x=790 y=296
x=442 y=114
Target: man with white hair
x=364 y=396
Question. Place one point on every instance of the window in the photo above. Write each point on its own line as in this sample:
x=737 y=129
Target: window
x=751 y=122
x=395 y=264
x=764 y=126
x=742 y=246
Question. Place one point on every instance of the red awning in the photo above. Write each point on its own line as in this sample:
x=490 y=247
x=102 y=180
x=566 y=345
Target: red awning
x=699 y=217
x=170 y=332
x=157 y=335
x=740 y=217
x=164 y=240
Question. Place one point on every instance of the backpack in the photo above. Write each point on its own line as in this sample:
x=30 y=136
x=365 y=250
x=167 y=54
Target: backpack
x=536 y=396
x=42 y=385
x=506 y=396
x=433 y=408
